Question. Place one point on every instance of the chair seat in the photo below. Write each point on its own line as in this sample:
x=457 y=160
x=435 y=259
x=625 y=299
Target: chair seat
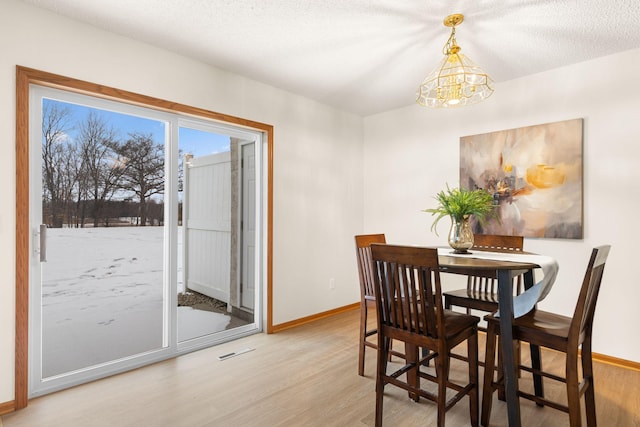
x=479 y=295
x=454 y=322
x=477 y=300
x=464 y=293
x=540 y=327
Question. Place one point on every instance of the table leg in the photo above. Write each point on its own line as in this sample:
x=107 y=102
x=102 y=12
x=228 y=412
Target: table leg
x=505 y=302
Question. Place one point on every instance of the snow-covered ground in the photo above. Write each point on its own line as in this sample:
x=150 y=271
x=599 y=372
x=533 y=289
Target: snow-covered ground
x=102 y=298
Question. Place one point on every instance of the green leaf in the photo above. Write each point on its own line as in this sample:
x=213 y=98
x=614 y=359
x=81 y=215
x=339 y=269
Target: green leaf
x=459 y=202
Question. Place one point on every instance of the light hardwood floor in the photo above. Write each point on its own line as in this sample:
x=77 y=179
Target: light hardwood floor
x=305 y=376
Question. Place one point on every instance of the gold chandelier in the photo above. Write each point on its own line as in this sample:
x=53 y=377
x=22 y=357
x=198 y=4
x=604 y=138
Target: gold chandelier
x=456 y=81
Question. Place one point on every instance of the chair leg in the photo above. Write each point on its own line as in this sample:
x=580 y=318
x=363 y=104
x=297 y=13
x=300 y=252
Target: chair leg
x=501 y=395
x=472 y=355
x=412 y=375
x=379 y=398
x=383 y=357
x=489 y=363
x=587 y=374
x=536 y=364
x=425 y=353
x=518 y=355
x=363 y=329
x=573 y=393
x=442 y=373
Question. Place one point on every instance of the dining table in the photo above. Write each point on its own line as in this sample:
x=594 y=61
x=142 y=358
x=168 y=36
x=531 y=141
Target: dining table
x=507 y=266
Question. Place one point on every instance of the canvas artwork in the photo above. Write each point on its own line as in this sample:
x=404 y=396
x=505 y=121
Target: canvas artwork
x=535 y=176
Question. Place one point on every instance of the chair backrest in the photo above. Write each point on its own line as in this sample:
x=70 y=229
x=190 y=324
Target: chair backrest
x=485 y=281
x=365 y=269
x=585 y=308
x=497 y=243
x=407 y=287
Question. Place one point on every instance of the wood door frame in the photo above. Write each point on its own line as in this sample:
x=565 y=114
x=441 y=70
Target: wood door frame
x=27 y=76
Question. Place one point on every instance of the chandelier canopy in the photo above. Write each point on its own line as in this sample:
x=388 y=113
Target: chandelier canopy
x=456 y=81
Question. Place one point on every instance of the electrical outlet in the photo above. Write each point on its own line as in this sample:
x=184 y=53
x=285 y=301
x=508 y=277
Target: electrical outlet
x=332 y=283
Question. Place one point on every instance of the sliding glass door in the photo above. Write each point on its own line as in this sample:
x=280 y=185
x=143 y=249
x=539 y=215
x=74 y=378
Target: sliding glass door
x=140 y=224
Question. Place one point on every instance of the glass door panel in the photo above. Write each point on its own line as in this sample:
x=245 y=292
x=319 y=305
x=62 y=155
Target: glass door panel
x=102 y=297
x=100 y=238
x=210 y=232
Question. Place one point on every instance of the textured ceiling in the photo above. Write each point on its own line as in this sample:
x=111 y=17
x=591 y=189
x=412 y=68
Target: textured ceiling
x=366 y=56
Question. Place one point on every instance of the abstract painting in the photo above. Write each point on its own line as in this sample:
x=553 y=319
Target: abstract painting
x=535 y=176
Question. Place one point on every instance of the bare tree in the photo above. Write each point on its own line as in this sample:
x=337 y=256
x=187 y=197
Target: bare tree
x=155 y=212
x=101 y=168
x=144 y=174
x=58 y=158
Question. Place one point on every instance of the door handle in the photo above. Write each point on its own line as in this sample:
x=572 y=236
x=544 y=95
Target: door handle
x=43 y=242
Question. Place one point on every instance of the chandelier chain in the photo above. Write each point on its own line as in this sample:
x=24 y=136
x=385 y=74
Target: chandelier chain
x=451 y=42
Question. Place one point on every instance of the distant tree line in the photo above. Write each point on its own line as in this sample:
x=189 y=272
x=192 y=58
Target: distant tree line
x=96 y=178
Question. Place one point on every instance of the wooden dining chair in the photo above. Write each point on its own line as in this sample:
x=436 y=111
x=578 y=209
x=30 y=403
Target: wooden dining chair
x=560 y=333
x=367 y=295
x=409 y=309
x=482 y=287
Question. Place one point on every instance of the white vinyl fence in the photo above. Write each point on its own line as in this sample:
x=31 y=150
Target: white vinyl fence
x=206 y=219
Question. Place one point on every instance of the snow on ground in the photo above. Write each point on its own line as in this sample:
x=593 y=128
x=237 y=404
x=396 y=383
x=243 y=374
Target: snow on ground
x=102 y=293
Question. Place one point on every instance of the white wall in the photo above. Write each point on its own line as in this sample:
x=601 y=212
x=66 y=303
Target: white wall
x=317 y=157
x=411 y=153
